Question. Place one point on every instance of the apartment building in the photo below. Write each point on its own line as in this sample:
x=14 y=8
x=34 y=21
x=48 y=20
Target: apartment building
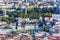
x=56 y=17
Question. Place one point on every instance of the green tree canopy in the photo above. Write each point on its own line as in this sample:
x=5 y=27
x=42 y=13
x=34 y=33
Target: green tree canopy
x=14 y=32
x=46 y=29
x=8 y=27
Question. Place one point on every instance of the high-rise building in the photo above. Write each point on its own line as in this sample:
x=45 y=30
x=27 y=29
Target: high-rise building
x=58 y=6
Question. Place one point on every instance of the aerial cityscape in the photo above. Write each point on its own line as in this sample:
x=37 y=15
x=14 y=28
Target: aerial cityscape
x=29 y=19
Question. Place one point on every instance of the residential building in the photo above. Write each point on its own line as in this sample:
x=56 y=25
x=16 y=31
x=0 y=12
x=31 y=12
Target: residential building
x=56 y=16
x=2 y=12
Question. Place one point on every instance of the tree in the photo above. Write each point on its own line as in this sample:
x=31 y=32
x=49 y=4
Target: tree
x=46 y=15
x=3 y=18
x=14 y=32
x=31 y=9
x=8 y=20
x=8 y=27
x=9 y=13
x=19 y=7
x=46 y=29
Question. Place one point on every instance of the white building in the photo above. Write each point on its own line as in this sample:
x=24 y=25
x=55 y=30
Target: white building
x=56 y=16
x=1 y=3
x=56 y=34
x=50 y=0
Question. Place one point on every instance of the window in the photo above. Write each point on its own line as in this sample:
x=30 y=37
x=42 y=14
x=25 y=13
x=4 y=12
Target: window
x=1 y=13
x=56 y=16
